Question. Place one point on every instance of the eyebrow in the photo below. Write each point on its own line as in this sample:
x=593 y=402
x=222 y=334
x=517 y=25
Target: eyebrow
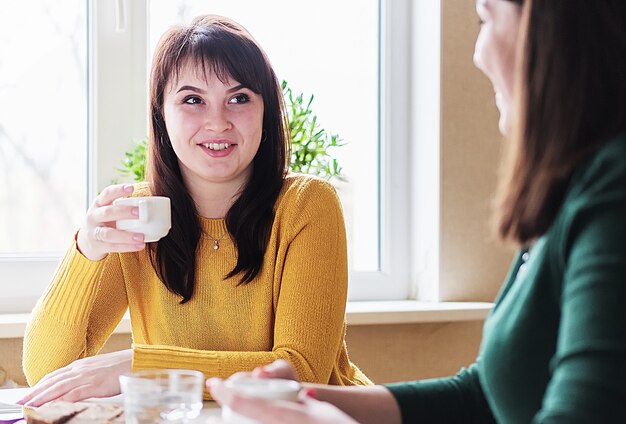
x=201 y=91
x=190 y=88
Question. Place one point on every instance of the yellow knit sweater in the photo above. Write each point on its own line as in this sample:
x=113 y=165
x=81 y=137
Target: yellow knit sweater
x=294 y=309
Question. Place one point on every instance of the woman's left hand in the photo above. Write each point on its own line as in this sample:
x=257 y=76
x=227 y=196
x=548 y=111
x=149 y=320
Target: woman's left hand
x=95 y=376
x=307 y=410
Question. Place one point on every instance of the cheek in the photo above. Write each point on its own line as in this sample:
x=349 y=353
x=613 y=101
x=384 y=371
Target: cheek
x=507 y=67
x=178 y=123
x=167 y=118
x=252 y=121
x=491 y=58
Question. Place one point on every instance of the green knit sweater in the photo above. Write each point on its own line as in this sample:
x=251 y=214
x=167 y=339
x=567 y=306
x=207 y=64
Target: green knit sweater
x=554 y=346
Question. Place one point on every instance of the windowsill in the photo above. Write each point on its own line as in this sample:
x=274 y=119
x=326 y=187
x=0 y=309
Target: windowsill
x=357 y=313
x=413 y=312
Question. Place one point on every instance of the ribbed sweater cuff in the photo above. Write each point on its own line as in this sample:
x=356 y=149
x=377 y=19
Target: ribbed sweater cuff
x=70 y=299
x=160 y=356
x=212 y=363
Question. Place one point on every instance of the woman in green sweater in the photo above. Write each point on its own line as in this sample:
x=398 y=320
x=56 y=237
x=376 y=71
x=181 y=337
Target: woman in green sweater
x=554 y=346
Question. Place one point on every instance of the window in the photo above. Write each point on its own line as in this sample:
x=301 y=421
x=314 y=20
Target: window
x=68 y=94
x=43 y=128
x=43 y=125
x=355 y=61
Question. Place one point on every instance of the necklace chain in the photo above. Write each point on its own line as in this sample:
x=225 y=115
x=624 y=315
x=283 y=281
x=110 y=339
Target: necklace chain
x=216 y=241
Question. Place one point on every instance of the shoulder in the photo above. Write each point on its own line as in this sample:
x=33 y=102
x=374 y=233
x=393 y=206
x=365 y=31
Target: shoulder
x=602 y=177
x=305 y=198
x=306 y=188
x=592 y=215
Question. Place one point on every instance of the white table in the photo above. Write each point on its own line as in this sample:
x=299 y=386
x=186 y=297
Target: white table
x=10 y=396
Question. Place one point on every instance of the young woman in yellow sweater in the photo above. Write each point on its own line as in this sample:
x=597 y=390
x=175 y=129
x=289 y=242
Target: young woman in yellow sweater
x=254 y=268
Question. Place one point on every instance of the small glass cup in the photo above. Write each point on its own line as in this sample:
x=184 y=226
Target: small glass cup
x=162 y=396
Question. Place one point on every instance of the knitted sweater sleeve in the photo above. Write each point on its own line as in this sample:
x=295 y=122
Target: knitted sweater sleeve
x=310 y=293
x=76 y=314
x=458 y=399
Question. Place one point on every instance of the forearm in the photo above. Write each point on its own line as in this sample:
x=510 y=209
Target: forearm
x=73 y=306
x=373 y=404
x=56 y=332
x=212 y=363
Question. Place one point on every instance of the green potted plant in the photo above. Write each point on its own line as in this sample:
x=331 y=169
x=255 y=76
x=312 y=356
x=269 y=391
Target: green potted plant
x=133 y=165
x=311 y=145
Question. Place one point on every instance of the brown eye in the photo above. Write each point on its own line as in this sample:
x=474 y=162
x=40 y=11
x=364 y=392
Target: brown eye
x=239 y=99
x=192 y=100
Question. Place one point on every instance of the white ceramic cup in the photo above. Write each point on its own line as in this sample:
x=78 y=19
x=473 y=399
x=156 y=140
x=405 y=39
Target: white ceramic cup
x=154 y=220
x=265 y=388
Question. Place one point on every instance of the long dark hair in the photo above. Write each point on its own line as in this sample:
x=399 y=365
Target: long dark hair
x=219 y=45
x=570 y=100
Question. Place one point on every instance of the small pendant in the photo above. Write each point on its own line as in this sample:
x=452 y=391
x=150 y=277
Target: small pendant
x=216 y=245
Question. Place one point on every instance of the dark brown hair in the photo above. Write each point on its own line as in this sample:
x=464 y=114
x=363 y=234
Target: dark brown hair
x=219 y=45
x=570 y=100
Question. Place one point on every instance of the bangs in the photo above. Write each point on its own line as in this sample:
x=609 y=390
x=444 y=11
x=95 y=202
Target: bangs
x=220 y=52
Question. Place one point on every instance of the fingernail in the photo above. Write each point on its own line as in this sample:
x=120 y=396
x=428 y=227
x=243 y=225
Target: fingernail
x=138 y=237
x=128 y=188
x=20 y=402
x=135 y=211
x=309 y=392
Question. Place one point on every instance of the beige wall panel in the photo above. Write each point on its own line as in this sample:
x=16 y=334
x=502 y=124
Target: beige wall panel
x=388 y=353
x=472 y=263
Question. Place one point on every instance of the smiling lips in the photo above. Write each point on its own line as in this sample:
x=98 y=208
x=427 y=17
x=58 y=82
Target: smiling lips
x=216 y=146
x=217 y=149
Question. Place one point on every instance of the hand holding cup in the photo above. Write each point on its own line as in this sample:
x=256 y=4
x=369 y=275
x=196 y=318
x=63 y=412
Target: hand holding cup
x=116 y=224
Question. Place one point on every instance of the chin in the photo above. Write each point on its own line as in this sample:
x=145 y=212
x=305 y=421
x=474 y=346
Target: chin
x=503 y=129
x=504 y=124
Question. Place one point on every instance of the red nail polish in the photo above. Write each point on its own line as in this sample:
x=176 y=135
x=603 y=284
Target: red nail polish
x=309 y=392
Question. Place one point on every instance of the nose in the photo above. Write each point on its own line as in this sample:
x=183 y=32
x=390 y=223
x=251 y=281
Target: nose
x=216 y=119
x=477 y=57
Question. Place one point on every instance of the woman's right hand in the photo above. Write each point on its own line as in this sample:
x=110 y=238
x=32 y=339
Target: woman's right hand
x=277 y=369
x=307 y=410
x=98 y=236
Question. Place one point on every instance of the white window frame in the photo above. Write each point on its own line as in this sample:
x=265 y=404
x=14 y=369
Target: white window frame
x=409 y=155
x=409 y=119
x=424 y=154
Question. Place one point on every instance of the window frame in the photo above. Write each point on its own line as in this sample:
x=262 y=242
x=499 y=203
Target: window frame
x=408 y=38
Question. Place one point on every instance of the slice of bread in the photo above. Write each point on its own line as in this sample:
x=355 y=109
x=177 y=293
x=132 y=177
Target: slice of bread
x=54 y=412
x=60 y=412
x=100 y=413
